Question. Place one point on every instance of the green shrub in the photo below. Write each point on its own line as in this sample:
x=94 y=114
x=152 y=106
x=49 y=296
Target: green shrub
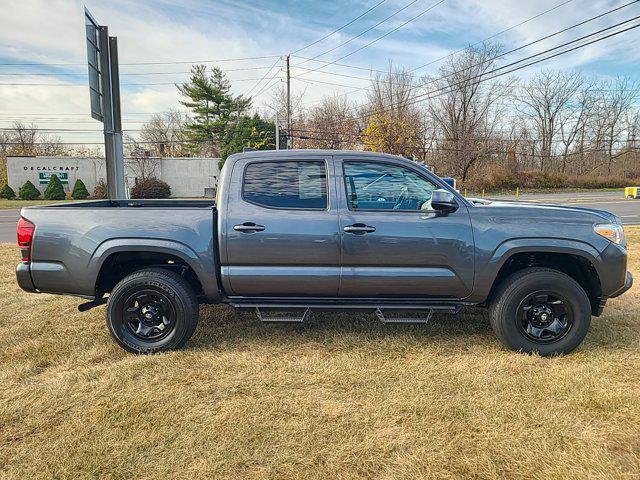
x=7 y=192
x=100 y=191
x=28 y=191
x=151 y=188
x=55 y=190
x=80 y=191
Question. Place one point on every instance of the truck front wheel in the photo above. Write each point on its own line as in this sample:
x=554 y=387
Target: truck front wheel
x=152 y=310
x=541 y=310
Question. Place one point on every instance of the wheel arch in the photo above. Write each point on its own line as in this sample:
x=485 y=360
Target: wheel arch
x=117 y=258
x=576 y=259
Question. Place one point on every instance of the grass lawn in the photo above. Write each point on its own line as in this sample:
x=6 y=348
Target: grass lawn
x=340 y=397
x=16 y=204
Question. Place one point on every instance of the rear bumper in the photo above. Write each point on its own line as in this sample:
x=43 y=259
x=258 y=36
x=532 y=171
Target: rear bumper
x=23 y=276
x=628 y=283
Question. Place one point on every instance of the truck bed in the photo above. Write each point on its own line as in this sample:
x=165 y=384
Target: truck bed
x=72 y=241
x=144 y=203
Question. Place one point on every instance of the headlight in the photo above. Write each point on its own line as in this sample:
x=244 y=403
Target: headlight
x=611 y=231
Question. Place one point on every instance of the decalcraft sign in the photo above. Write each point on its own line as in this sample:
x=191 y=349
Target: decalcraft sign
x=45 y=172
x=52 y=168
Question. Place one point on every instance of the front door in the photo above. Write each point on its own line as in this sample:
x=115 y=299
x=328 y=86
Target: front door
x=393 y=243
x=281 y=229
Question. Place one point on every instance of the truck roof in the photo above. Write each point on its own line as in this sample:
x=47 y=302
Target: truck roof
x=309 y=152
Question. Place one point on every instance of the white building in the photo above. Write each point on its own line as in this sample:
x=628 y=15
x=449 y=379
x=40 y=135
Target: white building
x=188 y=177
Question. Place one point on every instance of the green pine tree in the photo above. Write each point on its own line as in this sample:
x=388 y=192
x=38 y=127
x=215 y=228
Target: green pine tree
x=28 y=191
x=80 y=191
x=253 y=132
x=215 y=109
x=55 y=190
x=7 y=192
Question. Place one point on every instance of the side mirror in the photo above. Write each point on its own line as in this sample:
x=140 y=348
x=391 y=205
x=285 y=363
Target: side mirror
x=443 y=202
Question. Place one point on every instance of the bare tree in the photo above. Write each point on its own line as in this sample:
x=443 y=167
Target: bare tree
x=543 y=103
x=617 y=104
x=394 y=120
x=466 y=107
x=164 y=135
x=23 y=139
x=332 y=124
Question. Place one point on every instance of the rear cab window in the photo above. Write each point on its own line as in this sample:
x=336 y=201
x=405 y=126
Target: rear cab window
x=286 y=184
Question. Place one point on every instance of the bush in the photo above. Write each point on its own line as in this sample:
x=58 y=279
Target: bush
x=100 y=191
x=7 y=192
x=80 y=191
x=496 y=178
x=588 y=181
x=28 y=191
x=151 y=188
x=55 y=190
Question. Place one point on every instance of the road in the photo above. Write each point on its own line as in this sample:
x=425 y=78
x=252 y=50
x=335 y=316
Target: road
x=8 y=220
x=627 y=210
x=614 y=202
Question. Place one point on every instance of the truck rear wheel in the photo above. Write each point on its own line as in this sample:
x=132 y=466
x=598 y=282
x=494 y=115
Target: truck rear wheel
x=152 y=310
x=541 y=310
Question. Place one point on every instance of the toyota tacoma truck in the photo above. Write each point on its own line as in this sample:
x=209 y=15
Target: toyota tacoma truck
x=297 y=231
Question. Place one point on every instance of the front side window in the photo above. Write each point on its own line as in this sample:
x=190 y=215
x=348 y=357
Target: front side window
x=381 y=186
x=286 y=184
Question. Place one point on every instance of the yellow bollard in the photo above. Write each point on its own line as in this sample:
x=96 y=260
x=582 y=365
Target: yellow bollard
x=482 y=193
x=465 y=192
x=517 y=192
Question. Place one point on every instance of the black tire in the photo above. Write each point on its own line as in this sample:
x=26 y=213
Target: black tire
x=518 y=307
x=164 y=295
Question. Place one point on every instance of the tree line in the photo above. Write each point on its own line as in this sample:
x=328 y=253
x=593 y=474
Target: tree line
x=551 y=127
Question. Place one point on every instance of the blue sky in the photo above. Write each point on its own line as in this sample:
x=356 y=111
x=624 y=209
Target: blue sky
x=51 y=31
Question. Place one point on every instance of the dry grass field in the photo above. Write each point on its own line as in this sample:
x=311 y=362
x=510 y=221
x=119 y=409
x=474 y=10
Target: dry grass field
x=341 y=397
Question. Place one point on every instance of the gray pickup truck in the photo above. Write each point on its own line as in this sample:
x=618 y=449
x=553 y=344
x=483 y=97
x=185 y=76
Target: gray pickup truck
x=297 y=231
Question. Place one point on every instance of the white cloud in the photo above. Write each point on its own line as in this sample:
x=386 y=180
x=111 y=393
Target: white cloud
x=177 y=30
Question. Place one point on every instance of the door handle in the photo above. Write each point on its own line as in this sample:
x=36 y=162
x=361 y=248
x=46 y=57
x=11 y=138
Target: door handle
x=248 y=227
x=359 y=228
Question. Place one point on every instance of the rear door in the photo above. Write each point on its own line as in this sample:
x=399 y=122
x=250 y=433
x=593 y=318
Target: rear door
x=282 y=234
x=393 y=244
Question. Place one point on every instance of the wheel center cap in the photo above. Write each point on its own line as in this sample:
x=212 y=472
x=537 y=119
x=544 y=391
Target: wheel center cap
x=149 y=312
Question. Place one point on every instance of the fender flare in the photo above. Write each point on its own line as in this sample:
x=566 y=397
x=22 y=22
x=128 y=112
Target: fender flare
x=509 y=248
x=169 y=247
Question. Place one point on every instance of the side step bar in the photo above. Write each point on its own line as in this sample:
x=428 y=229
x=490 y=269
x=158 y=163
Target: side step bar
x=379 y=312
x=277 y=319
x=384 y=319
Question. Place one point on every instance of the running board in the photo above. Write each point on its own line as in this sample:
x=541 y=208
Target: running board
x=384 y=319
x=278 y=319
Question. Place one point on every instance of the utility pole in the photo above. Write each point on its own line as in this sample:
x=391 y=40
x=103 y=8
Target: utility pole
x=289 y=137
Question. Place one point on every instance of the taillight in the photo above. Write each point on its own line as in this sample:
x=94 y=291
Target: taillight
x=25 y=237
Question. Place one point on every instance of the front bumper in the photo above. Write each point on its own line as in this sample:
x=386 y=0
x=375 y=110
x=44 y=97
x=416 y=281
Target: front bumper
x=23 y=276
x=628 y=283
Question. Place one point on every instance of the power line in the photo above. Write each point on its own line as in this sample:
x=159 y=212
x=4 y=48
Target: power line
x=78 y=85
x=263 y=77
x=496 y=34
x=362 y=33
x=381 y=36
x=183 y=62
x=78 y=74
x=345 y=65
x=339 y=29
x=546 y=37
x=425 y=96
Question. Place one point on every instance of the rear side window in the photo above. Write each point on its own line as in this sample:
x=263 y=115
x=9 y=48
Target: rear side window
x=286 y=184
